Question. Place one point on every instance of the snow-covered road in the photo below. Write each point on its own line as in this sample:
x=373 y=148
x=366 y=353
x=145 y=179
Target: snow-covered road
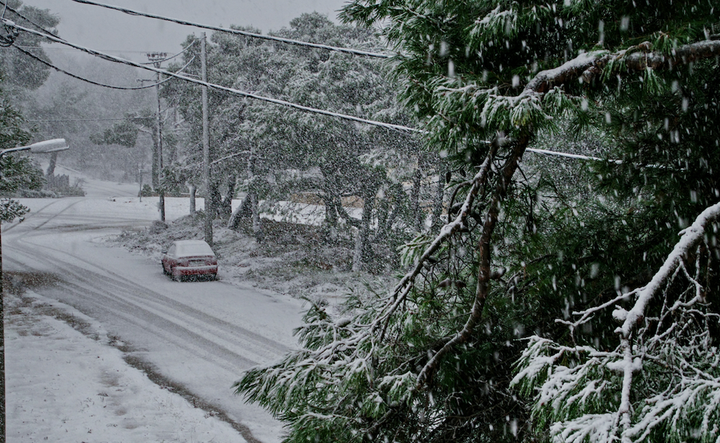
x=197 y=335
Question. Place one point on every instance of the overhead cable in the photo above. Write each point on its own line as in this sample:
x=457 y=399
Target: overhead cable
x=65 y=120
x=114 y=59
x=188 y=78
x=237 y=31
x=92 y=82
x=568 y=155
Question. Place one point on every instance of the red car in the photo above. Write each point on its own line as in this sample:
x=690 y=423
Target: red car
x=187 y=258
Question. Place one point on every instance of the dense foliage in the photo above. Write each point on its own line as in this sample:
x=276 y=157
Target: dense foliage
x=17 y=68
x=592 y=243
x=276 y=153
x=15 y=172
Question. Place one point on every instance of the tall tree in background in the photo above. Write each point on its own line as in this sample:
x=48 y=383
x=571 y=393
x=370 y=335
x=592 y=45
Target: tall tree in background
x=431 y=359
x=16 y=172
x=18 y=69
x=281 y=152
x=17 y=73
x=77 y=111
x=348 y=160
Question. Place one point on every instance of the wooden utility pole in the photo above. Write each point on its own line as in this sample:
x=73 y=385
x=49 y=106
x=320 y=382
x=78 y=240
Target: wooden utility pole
x=156 y=58
x=209 y=212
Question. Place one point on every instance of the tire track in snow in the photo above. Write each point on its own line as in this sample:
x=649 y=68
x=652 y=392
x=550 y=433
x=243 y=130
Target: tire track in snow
x=162 y=316
x=96 y=300
x=30 y=215
x=99 y=293
x=161 y=302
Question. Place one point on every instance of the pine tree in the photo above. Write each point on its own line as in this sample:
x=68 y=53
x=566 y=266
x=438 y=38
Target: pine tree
x=431 y=359
x=16 y=172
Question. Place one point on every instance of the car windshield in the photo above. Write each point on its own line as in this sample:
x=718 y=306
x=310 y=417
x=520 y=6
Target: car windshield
x=193 y=248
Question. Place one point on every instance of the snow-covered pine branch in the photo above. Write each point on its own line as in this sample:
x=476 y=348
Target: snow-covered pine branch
x=663 y=376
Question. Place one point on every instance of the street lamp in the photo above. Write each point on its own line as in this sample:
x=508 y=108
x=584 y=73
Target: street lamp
x=43 y=147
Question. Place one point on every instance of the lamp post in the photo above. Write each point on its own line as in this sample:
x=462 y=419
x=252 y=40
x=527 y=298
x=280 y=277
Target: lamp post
x=43 y=147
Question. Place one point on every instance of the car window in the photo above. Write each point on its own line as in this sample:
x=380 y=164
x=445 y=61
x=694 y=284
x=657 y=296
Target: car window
x=171 y=251
x=194 y=248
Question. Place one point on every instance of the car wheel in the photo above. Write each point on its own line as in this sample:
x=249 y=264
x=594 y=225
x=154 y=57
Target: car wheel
x=164 y=270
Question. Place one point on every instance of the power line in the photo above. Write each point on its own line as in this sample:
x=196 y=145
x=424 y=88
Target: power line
x=247 y=94
x=568 y=155
x=237 y=31
x=114 y=59
x=119 y=51
x=65 y=120
x=92 y=82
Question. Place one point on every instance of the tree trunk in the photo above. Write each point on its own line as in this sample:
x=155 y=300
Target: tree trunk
x=155 y=171
x=257 y=227
x=215 y=200
x=193 y=191
x=51 y=167
x=243 y=211
x=252 y=194
x=361 y=240
x=393 y=206
x=417 y=218
x=437 y=222
x=225 y=209
x=333 y=204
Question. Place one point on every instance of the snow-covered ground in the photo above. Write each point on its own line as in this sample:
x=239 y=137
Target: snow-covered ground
x=127 y=376
x=69 y=380
x=65 y=386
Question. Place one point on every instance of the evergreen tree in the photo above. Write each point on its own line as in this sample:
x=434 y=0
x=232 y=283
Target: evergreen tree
x=17 y=68
x=284 y=153
x=16 y=172
x=431 y=359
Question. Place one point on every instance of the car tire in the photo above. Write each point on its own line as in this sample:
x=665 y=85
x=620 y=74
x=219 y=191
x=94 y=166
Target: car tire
x=164 y=270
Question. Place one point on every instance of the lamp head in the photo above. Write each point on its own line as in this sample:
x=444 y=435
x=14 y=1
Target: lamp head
x=47 y=146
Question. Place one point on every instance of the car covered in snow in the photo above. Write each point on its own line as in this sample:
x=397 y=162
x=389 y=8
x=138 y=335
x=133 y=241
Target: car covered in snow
x=190 y=258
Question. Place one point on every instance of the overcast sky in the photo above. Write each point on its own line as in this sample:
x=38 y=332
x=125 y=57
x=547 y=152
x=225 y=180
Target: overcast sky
x=119 y=33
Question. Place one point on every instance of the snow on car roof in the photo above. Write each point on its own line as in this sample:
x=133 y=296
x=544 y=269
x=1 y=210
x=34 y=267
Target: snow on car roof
x=192 y=247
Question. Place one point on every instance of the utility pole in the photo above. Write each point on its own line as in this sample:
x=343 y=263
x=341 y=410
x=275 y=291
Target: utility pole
x=209 y=210
x=156 y=59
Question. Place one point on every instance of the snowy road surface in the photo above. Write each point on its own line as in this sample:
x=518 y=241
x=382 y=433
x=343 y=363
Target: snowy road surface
x=197 y=335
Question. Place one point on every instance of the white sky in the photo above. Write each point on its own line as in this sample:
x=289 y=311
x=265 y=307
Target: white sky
x=119 y=33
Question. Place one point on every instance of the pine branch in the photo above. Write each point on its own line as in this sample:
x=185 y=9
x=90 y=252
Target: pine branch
x=484 y=271
x=403 y=288
x=592 y=65
x=691 y=237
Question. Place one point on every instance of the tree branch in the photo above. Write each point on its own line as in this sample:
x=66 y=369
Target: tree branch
x=484 y=271
x=590 y=65
x=690 y=238
x=403 y=288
